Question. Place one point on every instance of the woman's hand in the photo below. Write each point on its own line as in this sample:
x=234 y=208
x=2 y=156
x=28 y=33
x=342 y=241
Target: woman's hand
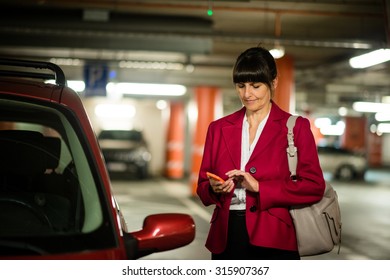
x=246 y=180
x=219 y=187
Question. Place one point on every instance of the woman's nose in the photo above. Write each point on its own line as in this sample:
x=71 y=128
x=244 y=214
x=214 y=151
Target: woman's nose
x=247 y=91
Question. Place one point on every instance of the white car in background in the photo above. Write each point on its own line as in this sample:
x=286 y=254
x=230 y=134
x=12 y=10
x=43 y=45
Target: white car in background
x=342 y=164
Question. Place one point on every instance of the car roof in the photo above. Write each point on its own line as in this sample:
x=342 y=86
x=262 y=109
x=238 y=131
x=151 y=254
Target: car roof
x=33 y=70
x=29 y=79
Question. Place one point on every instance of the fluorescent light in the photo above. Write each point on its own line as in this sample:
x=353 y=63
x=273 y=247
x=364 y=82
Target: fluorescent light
x=78 y=86
x=115 y=111
x=67 y=61
x=382 y=116
x=146 y=89
x=370 y=59
x=383 y=128
x=326 y=127
x=371 y=107
x=151 y=65
x=337 y=129
x=322 y=122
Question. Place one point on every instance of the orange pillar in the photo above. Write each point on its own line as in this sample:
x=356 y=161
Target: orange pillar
x=174 y=168
x=318 y=136
x=284 y=93
x=374 y=150
x=206 y=101
x=354 y=137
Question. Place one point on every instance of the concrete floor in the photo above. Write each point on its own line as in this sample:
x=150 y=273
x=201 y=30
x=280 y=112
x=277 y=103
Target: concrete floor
x=365 y=207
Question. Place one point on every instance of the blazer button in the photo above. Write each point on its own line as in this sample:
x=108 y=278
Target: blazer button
x=253 y=208
x=252 y=170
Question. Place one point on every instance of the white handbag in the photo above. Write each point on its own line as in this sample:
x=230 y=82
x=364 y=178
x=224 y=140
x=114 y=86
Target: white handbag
x=318 y=226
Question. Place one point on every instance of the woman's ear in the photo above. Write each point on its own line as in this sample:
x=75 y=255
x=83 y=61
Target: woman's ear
x=275 y=82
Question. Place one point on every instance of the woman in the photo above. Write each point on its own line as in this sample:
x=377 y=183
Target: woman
x=247 y=149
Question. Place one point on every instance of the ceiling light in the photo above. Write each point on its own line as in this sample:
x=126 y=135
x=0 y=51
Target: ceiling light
x=370 y=59
x=161 y=104
x=146 y=89
x=383 y=128
x=333 y=130
x=67 y=61
x=343 y=111
x=382 y=116
x=371 y=107
x=277 y=52
x=78 y=86
x=115 y=111
x=151 y=65
x=327 y=128
x=322 y=122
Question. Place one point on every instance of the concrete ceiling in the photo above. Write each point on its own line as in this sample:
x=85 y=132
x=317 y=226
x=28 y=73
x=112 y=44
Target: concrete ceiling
x=320 y=36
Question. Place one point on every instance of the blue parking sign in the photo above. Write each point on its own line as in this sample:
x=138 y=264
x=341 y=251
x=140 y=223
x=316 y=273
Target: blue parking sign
x=96 y=78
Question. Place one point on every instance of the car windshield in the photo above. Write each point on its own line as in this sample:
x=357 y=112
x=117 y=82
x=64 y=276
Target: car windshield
x=334 y=150
x=47 y=186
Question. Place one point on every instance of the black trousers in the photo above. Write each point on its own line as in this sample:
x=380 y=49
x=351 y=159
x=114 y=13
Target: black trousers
x=239 y=248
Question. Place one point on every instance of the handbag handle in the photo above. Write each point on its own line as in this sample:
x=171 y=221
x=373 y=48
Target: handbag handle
x=292 y=151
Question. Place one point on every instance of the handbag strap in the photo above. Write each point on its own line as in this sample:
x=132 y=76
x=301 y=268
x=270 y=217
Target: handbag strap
x=292 y=151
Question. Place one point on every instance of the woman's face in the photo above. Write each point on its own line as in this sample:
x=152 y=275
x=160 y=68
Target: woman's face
x=254 y=96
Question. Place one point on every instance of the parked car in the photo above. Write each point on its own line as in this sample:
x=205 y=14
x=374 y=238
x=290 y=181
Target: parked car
x=56 y=199
x=126 y=152
x=341 y=163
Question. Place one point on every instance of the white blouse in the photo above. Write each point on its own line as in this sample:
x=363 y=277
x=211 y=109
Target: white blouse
x=239 y=196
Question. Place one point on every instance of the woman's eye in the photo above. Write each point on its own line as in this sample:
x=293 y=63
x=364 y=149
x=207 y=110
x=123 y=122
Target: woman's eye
x=240 y=85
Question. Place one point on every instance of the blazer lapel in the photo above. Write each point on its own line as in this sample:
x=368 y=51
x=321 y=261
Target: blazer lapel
x=232 y=135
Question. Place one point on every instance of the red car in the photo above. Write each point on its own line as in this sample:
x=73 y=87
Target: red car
x=56 y=200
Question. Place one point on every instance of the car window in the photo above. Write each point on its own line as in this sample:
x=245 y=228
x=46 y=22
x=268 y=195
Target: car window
x=333 y=151
x=127 y=135
x=47 y=186
x=28 y=141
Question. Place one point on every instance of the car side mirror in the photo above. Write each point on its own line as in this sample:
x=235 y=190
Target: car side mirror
x=163 y=232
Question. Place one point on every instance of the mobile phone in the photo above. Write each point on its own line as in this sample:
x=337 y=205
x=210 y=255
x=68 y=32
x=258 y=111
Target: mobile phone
x=216 y=177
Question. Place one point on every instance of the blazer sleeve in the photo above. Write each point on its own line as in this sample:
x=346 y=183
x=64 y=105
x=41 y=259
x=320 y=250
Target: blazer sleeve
x=206 y=195
x=310 y=185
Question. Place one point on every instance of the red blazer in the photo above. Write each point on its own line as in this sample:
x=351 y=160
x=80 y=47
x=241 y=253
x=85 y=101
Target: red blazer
x=268 y=220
